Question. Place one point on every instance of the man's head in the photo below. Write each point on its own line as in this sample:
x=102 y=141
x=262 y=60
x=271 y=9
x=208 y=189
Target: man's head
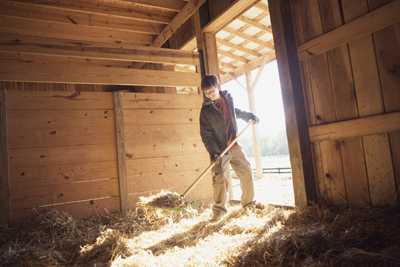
x=210 y=86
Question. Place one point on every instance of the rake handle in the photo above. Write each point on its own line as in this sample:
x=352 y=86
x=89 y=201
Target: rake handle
x=212 y=164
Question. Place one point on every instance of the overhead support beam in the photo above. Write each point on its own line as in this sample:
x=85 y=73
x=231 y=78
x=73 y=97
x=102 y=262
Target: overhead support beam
x=93 y=8
x=262 y=6
x=76 y=18
x=166 y=5
x=239 y=47
x=255 y=23
x=364 y=26
x=233 y=56
x=190 y=8
x=234 y=10
x=370 y=125
x=139 y=53
x=17 y=68
x=251 y=38
x=238 y=71
x=77 y=33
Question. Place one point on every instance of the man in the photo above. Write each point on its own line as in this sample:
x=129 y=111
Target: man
x=218 y=129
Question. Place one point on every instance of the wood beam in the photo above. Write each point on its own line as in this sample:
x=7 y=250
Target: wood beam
x=139 y=53
x=268 y=44
x=78 y=33
x=232 y=11
x=166 y=5
x=238 y=71
x=239 y=47
x=370 y=125
x=190 y=8
x=17 y=68
x=233 y=56
x=73 y=17
x=93 y=8
x=294 y=103
x=120 y=146
x=262 y=6
x=4 y=168
x=356 y=29
x=255 y=23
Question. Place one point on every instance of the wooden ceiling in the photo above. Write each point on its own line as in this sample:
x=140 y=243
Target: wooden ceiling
x=246 y=42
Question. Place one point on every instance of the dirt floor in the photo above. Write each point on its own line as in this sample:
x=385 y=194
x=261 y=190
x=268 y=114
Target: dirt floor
x=183 y=236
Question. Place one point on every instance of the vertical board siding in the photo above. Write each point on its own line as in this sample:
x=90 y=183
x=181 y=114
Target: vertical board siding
x=163 y=145
x=61 y=150
x=354 y=80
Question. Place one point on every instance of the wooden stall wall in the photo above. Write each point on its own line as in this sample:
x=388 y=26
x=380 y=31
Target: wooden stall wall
x=61 y=150
x=350 y=74
x=163 y=148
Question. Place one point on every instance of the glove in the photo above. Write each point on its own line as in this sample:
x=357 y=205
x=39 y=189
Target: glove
x=253 y=117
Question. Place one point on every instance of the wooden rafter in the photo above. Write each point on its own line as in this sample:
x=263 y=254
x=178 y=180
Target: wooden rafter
x=228 y=15
x=167 y=5
x=189 y=9
x=262 y=6
x=255 y=23
x=233 y=56
x=138 y=53
x=89 y=8
x=238 y=47
x=249 y=37
x=76 y=18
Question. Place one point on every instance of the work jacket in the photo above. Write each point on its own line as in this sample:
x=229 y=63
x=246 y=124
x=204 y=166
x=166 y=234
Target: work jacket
x=213 y=125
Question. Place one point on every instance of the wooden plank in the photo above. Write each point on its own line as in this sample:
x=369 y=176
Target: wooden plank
x=367 y=86
x=86 y=7
x=238 y=47
x=59 y=100
x=255 y=23
x=233 y=56
x=317 y=79
x=162 y=134
x=358 y=127
x=59 y=174
x=37 y=196
x=161 y=101
x=354 y=170
x=73 y=17
x=120 y=140
x=296 y=123
x=387 y=43
x=78 y=209
x=230 y=13
x=60 y=155
x=251 y=38
x=168 y=164
x=188 y=10
x=168 y=5
x=4 y=167
x=211 y=56
x=372 y=22
x=77 y=33
x=13 y=69
x=161 y=117
x=12 y=43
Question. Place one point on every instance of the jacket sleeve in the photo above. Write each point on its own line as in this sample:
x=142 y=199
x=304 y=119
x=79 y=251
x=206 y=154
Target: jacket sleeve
x=244 y=115
x=207 y=135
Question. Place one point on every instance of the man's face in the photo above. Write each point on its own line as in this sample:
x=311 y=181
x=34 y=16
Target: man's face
x=212 y=93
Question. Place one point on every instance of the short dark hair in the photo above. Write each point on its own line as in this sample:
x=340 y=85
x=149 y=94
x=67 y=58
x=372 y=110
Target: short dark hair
x=209 y=81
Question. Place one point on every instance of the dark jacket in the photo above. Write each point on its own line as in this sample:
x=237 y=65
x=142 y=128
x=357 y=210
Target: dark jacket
x=212 y=124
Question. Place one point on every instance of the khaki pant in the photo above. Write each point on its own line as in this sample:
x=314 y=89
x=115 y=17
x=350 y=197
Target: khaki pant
x=237 y=159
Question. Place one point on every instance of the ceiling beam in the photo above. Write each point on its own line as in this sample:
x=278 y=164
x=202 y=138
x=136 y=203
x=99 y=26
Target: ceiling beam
x=73 y=17
x=92 y=8
x=262 y=6
x=190 y=8
x=239 y=47
x=166 y=5
x=249 y=37
x=233 y=56
x=255 y=23
x=234 y=10
x=138 y=53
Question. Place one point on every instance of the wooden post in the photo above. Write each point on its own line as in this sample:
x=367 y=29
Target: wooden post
x=250 y=86
x=120 y=141
x=4 y=170
x=294 y=103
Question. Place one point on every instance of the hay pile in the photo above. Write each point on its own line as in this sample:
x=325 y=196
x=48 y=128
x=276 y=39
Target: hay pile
x=180 y=235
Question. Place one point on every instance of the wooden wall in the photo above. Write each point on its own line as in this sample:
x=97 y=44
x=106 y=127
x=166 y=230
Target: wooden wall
x=163 y=145
x=352 y=74
x=61 y=150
